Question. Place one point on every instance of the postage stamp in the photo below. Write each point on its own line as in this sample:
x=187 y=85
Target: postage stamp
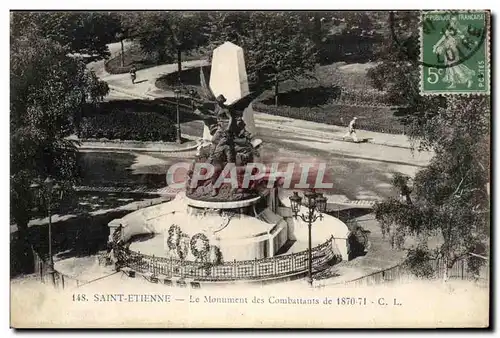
x=454 y=52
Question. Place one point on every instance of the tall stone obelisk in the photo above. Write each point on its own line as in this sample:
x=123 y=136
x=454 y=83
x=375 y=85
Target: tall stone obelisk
x=229 y=78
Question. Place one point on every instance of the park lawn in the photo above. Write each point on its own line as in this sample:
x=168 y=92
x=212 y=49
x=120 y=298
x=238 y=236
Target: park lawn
x=339 y=92
x=350 y=76
x=335 y=83
x=132 y=55
x=377 y=119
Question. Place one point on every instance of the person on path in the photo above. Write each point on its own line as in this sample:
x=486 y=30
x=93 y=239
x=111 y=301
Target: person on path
x=351 y=132
x=133 y=75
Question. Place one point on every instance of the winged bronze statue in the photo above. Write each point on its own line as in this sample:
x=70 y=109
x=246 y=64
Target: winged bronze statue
x=231 y=142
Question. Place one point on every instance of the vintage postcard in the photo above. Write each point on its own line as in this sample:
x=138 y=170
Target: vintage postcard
x=250 y=169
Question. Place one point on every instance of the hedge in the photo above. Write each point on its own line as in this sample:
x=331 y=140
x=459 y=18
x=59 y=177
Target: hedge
x=140 y=126
x=378 y=119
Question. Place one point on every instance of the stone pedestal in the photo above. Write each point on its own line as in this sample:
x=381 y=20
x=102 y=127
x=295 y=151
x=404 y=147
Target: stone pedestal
x=229 y=78
x=228 y=75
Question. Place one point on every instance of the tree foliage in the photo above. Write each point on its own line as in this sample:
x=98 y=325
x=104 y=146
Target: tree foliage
x=278 y=46
x=86 y=33
x=222 y=26
x=353 y=23
x=47 y=88
x=162 y=33
x=449 y=198
x=398 y=74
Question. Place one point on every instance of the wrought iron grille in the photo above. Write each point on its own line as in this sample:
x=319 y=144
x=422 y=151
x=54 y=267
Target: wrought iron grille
x=235 y=270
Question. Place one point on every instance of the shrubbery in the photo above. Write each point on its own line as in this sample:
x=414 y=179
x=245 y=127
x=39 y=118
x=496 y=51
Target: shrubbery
x=140 y=126
x=363 y=97
x=378 y=119
x=418 y=261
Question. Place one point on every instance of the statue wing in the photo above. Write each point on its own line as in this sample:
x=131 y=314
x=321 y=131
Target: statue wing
x=206 y=92
x=245 y=101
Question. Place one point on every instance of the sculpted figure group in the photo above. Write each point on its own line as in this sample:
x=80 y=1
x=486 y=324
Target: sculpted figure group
x=230 y=142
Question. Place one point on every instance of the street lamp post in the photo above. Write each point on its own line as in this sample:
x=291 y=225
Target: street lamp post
x=179 y=61
x=192 y=94
x=46 y=190
x=177 y=98
x=316 y=205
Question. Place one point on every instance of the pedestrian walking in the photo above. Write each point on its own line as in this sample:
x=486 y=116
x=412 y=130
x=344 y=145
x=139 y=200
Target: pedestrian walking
x=351 y=132
x=133 y=75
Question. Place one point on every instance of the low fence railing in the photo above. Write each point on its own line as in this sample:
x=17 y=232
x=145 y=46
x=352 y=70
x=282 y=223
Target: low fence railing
x=265 y=268
x=400 y=273
x=460 y=269
x=56 y=278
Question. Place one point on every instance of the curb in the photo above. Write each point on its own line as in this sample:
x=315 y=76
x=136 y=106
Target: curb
x=166 y=191
x=143 y=150
x=154 y=149
x=348 y=204
x=358 y=203
x=143 y=96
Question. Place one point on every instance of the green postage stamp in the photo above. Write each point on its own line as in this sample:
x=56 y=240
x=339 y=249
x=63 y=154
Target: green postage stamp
x=454 y=52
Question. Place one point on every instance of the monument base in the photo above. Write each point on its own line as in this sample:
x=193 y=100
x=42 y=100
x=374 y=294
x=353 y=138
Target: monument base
x=240 y=230
x=254 y=239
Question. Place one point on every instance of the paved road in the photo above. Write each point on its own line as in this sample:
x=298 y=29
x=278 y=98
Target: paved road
x=353 y=176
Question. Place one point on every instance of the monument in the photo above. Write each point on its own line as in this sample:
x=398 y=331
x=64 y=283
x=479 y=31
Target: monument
x=219 y=229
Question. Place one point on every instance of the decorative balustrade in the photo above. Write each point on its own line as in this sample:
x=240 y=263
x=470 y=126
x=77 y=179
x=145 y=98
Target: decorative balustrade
x=266 y=268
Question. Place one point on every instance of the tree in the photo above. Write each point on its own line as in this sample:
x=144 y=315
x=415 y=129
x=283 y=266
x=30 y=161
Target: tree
x=450 y=195
x=278 y=45
x=47 y=88
x=345 y=34
x=164 y=31
x=449 y=198
x=222 y=26
x=121 y=36
x=85 y=33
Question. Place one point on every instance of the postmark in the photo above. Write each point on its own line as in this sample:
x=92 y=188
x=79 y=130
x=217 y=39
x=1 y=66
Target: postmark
x=454 y=52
